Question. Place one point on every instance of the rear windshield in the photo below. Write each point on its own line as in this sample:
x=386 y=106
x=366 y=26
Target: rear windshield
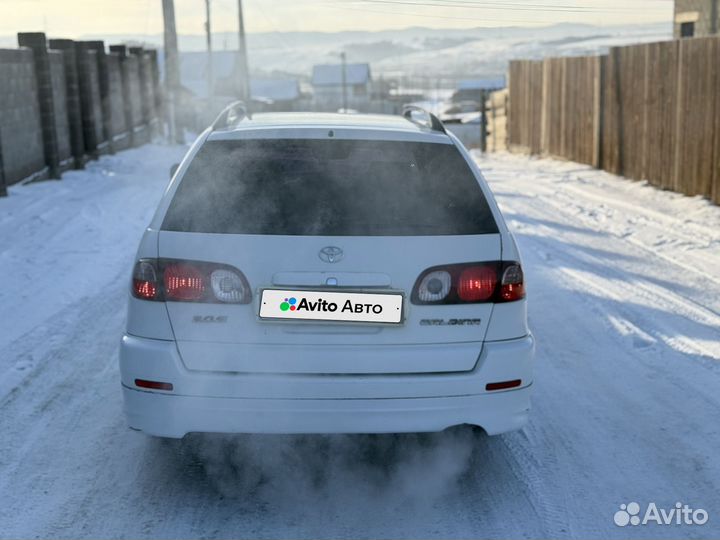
x=329 y=187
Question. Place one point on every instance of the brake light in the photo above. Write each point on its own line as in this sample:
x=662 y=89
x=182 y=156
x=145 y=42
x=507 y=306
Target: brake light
x=183 y=282
x=175 y=280
x=477 y=283
x=494 y=281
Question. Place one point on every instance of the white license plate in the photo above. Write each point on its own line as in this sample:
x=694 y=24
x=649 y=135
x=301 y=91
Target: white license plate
x=331 y=306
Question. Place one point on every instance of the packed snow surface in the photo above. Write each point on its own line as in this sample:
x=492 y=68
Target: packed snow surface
x=624 y=299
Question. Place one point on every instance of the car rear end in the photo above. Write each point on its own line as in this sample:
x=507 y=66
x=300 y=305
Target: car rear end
x=326 y=279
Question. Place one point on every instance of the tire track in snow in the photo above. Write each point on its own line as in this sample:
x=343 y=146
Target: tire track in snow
x=615 y=286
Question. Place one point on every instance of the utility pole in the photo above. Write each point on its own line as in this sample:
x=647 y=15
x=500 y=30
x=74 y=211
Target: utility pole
x=243 y=73
x=172 y=71
x=344 y=81
x=483 y=121
x=208 y=32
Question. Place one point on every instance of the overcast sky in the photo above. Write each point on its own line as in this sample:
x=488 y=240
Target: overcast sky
x=74 y=18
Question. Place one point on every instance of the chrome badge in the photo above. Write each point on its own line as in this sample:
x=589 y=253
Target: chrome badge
x=331 y=254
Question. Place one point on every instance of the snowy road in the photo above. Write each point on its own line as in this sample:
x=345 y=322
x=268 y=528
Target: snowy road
x=624 y=287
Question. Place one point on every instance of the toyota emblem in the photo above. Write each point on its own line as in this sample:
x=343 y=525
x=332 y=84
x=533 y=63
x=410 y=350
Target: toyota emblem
x=331 y=254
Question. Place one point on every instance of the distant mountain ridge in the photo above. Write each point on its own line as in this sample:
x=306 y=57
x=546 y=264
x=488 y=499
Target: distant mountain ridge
x=413 y=51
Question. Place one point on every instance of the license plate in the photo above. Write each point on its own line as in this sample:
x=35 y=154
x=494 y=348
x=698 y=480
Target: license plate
x=331 y=306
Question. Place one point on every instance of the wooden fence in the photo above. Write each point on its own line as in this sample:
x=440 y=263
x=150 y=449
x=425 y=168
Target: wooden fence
x=649 y=111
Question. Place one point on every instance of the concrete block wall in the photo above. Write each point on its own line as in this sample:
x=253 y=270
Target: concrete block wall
x=90 y=104
x=72 y=106
x=21 y=135
x=131 y=68
x=63 y=102
x=35 y=41
x=104 y=89
x=60 y=99
x=120 y=135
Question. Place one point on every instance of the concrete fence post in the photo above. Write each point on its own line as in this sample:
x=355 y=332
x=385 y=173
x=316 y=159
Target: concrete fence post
x=36 y=42
x=77 y=141
x=3 y=189
x=104 y=83
x=85 y=59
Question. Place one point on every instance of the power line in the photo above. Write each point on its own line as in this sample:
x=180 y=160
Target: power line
x=280 y=36
x=434 y=16
x=489 y=6
x=504 y=6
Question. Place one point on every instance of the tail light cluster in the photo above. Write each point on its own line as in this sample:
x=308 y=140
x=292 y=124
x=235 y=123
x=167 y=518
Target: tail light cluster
x=470 y=283
x=173 y=280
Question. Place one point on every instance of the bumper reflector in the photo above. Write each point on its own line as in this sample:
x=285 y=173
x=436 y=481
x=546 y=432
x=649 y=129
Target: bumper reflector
x=503 y=385
x=153 y=385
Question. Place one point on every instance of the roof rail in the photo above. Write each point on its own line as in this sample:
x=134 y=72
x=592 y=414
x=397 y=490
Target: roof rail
x=431 y=121
x=231 y=116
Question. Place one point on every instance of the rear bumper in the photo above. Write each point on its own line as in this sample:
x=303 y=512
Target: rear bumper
x=174 y=416
x=271 y=403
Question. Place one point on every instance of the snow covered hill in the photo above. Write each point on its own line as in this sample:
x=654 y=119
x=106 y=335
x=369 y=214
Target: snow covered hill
x=411 y=51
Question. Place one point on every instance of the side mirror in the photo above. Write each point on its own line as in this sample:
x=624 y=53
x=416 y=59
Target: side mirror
x=174 y=169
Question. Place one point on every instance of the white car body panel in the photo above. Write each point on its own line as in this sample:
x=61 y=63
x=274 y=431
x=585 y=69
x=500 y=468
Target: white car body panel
x=258 y=256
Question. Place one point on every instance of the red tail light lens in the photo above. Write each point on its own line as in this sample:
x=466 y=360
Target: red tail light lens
x=494 y=281
x=145 y=283
x=189 y=281
x=477 y=283
x=183 y=282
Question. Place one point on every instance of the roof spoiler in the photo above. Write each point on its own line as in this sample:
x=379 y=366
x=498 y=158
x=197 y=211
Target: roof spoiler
x=231 y=116
x=411 y=113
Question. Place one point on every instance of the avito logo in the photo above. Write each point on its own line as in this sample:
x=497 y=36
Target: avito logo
x=288 y=303
x=681 y=514
x=292 y=304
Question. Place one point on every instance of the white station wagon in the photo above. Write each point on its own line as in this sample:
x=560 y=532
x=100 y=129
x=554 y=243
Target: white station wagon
x=326 y=273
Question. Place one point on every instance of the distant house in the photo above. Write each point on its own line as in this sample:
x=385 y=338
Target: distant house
x=696 y=18
x=327 y=83
x=476 y=89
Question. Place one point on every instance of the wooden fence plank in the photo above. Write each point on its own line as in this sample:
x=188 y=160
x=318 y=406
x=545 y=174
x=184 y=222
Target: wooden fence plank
x=661 y=105
x=715 y=195
x=694 y=170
